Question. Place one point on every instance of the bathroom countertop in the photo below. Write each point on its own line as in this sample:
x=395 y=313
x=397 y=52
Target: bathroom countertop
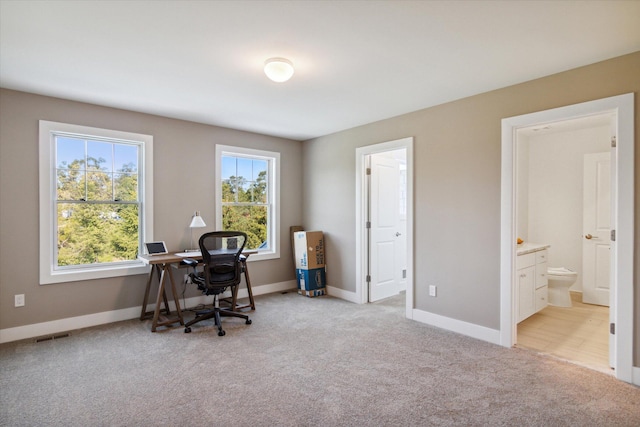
x=527 y=248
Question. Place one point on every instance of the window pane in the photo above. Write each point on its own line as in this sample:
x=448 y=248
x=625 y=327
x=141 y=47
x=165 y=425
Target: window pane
x=228 y=191
x=100 y=155
x=126 y=187
x=260 y=188
x=244 y=191
x=69 y=151
x=259 y=167
x=90 y=233
x=250 y=219
x=245 y=168
x=99 y=186
x=125 y=158
x=228 y=167
x=70 y=184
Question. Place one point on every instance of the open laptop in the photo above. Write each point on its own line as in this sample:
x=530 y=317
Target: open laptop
x=156 y=248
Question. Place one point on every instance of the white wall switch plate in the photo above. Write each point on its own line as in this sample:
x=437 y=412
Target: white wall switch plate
x=432 y=290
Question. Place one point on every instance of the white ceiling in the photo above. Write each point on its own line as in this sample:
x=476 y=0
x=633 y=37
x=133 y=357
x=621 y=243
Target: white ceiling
x=356 y=61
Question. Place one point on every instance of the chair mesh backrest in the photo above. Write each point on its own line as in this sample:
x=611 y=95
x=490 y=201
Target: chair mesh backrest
x=221 y=251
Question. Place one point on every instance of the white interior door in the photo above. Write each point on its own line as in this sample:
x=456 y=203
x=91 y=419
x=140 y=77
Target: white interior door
x=596 y=229
x=384 y=269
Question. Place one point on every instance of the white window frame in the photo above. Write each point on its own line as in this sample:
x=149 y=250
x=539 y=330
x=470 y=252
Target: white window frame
x=48 y=206
x=273 y=183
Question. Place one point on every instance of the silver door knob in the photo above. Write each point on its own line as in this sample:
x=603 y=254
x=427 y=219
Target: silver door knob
x=398 y=234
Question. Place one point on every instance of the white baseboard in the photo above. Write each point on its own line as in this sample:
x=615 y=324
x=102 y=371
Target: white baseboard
x=458 y=326
x=635 y=373
x=63 y=325
x=342 y=294
x=453 y=325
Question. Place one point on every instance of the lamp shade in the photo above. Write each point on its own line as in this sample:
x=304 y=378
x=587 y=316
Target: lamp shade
x=197 y=221
x=278 y=69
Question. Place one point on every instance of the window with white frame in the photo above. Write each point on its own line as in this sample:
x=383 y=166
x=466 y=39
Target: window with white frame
x=95 y=202
x=247 y=188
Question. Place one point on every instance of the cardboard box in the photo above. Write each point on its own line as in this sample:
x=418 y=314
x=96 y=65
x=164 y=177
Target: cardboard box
x=309 y=249
x=314 y=293
x=310 y=280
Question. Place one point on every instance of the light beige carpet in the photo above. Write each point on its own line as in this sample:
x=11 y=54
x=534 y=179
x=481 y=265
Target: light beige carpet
x=303 y=362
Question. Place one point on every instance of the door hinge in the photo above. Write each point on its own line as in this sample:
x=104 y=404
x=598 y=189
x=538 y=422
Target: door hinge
x=368 y=278
x=368 y=224
x=613 y=235
x=614 y=143
x=612 y=328
x=368 y=171
x=404 y=274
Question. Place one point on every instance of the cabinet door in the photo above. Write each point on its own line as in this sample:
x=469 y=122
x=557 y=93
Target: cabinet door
x=541 y=298
x=526 y=292
x=541 y=275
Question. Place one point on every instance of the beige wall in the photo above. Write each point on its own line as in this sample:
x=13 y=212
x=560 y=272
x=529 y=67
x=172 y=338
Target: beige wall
x=456 y=193
x=457 y=161
x=184 y=158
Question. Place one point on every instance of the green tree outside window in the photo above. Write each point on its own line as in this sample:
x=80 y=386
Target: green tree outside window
x=98 y=207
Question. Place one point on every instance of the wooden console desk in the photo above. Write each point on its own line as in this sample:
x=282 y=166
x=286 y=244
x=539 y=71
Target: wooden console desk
x=162 y=265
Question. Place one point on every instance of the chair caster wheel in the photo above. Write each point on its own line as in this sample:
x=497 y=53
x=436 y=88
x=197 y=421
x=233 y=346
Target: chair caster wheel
x=221 y=333
x=248 y=322
x=187 y=330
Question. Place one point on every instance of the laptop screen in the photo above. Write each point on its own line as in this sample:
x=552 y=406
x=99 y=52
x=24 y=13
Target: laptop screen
x=156 y=248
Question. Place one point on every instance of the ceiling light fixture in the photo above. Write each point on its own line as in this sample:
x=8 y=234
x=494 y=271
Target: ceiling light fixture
x=278 y=69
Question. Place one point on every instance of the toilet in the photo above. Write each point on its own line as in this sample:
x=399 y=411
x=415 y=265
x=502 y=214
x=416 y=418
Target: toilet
x=560 y=280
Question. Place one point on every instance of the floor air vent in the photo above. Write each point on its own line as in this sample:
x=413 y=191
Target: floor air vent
x=52 y=337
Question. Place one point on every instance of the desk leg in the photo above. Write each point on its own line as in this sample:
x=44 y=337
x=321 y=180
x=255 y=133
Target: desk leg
x=167 y=310
x=143 y=315
x=234 y=299
x=176 y=297
x=246 y=277
x=159 y=298
x=162 y=298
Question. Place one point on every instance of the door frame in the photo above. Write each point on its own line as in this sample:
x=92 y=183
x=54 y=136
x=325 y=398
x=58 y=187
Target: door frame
x=362 y=201
x=622 y=106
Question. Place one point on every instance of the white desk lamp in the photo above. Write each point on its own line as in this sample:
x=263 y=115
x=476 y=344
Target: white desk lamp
x=196 y=222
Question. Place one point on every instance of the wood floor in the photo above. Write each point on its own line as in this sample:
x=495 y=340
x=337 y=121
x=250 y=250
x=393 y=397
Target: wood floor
x=579 y=334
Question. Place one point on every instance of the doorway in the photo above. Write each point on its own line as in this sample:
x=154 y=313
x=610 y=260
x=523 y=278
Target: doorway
x=384 y=171
x=622 y=214
x=563 y=202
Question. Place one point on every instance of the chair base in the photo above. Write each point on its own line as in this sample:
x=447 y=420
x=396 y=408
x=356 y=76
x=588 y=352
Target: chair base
x=216 y=314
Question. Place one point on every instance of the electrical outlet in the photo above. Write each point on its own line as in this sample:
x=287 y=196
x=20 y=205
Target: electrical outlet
x=19 y=300
x=187 y=279
x=432 y=290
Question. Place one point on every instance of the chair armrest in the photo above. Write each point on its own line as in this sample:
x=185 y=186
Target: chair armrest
x=189 y=261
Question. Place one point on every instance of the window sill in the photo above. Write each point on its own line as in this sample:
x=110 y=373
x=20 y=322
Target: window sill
x=64 y=276
x=263 y=256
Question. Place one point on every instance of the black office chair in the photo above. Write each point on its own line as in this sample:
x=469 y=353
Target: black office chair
x=221 y=252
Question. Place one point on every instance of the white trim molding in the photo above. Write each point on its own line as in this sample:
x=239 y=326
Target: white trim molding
x=458 y=326
x=342 y=294
x=49 y=273
x=361 y=218
x=622 y=107
x=78 y=322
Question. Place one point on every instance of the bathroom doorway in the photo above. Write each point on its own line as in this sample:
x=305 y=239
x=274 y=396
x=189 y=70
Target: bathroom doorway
x=622 y=214
x=562 y=167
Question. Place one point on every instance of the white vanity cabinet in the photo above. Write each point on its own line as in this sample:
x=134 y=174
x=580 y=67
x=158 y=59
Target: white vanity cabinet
x=531 y=281
x=542 y=288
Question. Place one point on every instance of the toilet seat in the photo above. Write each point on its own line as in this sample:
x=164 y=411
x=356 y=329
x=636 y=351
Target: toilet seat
x=560 y=271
